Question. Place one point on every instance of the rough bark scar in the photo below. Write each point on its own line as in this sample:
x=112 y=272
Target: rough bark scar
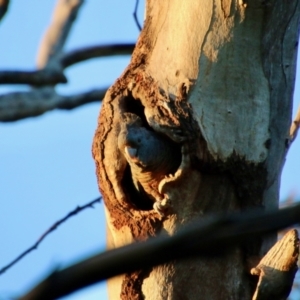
x=165 y=119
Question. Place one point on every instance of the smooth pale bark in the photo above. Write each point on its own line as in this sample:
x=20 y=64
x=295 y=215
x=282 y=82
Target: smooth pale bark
x=216 y=77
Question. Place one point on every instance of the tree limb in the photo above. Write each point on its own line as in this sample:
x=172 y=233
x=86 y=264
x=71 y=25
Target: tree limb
x=51 y=229
x=210 y=237
x=70 y=102
x=55 y=37
x=54 y=76
x=86 y=53
x=3 y=8
x=37 y=78
x=20 y=105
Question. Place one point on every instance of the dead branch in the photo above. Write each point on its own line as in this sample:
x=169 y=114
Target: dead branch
x=277 y=268
x=55 y=76
x=52 y=77
x=19 y=105
x=3 y=8
x=51 y=61
x=51 y=229
x=210 y=237
x=70 y=102
x=55 y=37
x=37 y=78
x=295 y=126
x=83 y=54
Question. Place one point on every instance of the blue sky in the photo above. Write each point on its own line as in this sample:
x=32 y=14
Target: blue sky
x=46 y=163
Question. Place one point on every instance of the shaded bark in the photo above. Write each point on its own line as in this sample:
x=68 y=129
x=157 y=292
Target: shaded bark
x=217 y=79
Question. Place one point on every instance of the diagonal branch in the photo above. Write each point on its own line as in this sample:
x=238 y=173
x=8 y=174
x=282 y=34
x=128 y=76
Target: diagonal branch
x=51 y=229
x=20 y=105
x=86 y=53
x=210 y=237
x=3 y=8
x=55 y=37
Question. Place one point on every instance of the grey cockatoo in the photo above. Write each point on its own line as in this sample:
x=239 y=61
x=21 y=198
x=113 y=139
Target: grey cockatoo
x=150 y=155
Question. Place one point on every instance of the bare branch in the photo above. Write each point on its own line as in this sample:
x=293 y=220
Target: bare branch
x=3 y=8
x=20 y=105
x=277 y=268
x=52 y=44
x=135 y=15
x=83 y=54
x=53 y=76
x=42 y=77
x=70 y=102
x=295 y=126
x=209 y=237
x=51 y=229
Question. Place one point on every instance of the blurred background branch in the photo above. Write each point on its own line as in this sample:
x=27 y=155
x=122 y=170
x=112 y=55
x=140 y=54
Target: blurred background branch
x=210 y=237
x=51 y=62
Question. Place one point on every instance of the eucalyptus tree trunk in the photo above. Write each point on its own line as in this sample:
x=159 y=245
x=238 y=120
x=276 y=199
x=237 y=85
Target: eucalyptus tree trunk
x=214 y=81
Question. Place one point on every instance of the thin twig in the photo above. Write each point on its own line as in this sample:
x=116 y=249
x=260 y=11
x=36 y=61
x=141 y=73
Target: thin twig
x=206 y=238
x=295 y=126
x=52 y=228
x=135 y=15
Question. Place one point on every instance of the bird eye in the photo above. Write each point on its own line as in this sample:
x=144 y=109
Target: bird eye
x=131 y=152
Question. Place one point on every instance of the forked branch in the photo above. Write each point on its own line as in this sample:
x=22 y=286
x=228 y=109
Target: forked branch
x=52 y=62
x=52 y=77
